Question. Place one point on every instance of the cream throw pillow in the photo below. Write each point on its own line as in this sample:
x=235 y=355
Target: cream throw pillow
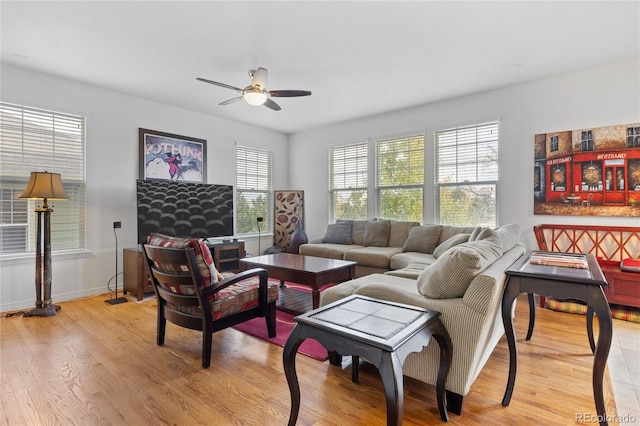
x=376 y=233
x=450 y=275
x=509 y=235
x=422 y=239
x=453 y=241
x=338 y=233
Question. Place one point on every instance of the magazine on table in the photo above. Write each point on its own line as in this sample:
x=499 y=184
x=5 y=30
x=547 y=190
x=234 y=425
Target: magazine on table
x=565 y=260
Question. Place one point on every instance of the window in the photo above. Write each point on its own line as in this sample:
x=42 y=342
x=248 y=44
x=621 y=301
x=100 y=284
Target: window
x=400 y=177
x=348 y=184
x=586 y=138
x=254 y=188
x=467 y=175
x=38 y=140
x=553 y=143
x=633 y=137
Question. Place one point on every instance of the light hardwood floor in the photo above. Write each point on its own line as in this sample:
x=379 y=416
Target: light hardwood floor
x=95 y=363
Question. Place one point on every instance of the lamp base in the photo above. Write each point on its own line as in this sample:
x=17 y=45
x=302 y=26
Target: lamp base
x=48 y=311
x=116 y=301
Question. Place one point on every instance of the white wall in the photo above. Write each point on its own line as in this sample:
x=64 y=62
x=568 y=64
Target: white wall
x=592 y=98
x=113 y=120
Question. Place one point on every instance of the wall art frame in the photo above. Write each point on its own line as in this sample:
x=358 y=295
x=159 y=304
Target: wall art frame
x=167 y=156
x=588 y=172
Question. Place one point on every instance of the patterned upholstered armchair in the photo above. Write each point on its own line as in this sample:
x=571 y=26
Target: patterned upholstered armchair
x=192 y=294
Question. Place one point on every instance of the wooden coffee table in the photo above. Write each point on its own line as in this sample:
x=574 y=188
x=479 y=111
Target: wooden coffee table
x=311 y=271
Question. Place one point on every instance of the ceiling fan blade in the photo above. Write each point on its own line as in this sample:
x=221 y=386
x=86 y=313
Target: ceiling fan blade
x=270 y=104
x=231 y=101
x=288 y=93
x=215 y=83
x=259 y=78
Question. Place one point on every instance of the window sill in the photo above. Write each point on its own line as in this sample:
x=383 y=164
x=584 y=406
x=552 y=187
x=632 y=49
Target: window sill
x=28 y=257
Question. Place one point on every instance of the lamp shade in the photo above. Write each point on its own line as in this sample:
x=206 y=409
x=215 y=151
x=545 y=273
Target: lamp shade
x=45 y=185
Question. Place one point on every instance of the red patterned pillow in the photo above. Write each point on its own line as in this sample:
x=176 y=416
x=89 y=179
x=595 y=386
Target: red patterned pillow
x=204 y=260
x=630 y=265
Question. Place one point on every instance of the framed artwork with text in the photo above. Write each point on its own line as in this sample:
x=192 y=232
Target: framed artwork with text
x=165 y=156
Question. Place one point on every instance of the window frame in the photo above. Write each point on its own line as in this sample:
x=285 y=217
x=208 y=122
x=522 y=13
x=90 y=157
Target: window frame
x=587 y=140
x=352 y=171
x=36 y=139
x=263 y=158
x=492 y=184
x=392 y=142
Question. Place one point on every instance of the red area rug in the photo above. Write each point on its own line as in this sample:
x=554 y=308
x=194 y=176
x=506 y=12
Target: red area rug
x=257 y=327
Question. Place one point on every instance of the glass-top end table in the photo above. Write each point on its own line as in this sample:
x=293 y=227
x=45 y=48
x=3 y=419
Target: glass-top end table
x=383 y=332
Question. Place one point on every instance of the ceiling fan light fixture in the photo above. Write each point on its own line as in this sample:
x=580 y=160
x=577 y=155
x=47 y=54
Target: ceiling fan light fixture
x=254 y=97
x=256 y=93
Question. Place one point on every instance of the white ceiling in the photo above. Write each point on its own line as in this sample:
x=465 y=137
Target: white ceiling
x=358 y=58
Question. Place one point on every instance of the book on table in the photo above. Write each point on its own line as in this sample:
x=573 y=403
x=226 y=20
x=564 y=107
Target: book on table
x=566 y=260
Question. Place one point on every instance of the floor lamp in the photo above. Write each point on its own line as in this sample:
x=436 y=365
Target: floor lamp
x=44 y=186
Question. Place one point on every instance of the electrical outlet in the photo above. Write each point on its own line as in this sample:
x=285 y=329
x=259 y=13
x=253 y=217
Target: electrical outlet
x=260 y=219
x=117 y=225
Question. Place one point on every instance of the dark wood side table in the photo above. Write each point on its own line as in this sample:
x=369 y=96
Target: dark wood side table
x=383 y=332
x=136 y=278
x=585 y=285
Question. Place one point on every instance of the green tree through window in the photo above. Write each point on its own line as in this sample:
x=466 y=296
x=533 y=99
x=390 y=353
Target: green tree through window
x=400 y=177
x=253 y=189
x=348 y=185
x=467 y=175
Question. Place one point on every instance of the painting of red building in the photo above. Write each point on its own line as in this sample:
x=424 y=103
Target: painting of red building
x=592 y=172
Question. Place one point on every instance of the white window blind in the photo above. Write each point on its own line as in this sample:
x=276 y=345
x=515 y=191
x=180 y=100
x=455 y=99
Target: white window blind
x=38 y=140
x=400 y=177
x=467 y=175
x=348 y=182
x=254 y=189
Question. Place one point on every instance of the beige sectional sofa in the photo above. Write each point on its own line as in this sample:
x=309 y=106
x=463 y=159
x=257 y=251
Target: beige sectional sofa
x=379 y=246
x=464 y=282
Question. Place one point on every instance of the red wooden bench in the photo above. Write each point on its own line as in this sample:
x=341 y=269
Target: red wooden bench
x=610 y=245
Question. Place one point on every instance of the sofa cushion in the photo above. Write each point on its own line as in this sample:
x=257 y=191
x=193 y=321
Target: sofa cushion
x=474 y=234
x=451 y=231
x=357 y=232
x=450 y=275
x=453 y=241
x=412 y=270
x=509 y=235
x=484 y=234
x=375 y=257
x=376 y=233
x=327 y=250
x=402 y=260
x=399 y=232
x=422 y=239
x=338 y=233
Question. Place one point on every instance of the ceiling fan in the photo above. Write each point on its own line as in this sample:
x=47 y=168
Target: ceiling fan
x=256 y=93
